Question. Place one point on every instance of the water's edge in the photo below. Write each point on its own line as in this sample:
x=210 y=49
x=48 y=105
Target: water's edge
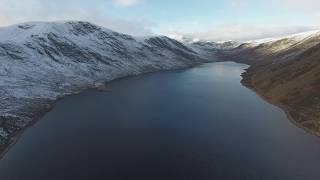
x=200 y=122
x=47 y=106
x=246 y=82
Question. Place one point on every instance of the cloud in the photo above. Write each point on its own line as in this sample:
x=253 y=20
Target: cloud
x=127 y=2
x=95 y=11
x=298 y=16
x=240 y=32
x=109 y=13
x=309 y=6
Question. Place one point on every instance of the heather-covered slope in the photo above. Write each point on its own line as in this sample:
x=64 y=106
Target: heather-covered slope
x=286 y=72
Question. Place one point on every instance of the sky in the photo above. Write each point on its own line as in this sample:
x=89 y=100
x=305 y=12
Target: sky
x=215 y=20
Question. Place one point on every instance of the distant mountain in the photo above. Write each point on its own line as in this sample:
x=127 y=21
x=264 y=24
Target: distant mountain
x=213 y=45
x=280 y=48
x=216 y=45
x=42 y=61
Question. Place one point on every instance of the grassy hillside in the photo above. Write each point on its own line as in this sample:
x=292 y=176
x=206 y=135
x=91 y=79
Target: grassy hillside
x=289 y=77
x=293 y=84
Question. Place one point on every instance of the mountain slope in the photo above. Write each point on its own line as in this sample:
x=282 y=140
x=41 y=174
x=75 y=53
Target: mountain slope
x=286 y=72
x=273 y=49
x=42 y=61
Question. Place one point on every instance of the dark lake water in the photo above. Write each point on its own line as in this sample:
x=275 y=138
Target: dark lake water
x=195 y=124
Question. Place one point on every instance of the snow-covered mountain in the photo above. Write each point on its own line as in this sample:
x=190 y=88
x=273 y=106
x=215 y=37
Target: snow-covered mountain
x=210 y=49
x=42 y=61
x=207 y=44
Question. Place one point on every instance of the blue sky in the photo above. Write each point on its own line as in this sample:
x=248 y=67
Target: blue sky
x=202 y=19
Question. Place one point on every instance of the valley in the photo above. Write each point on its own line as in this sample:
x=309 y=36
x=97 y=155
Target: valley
x=42 y=62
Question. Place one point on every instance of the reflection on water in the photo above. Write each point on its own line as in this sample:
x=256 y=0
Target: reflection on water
x=197 y=124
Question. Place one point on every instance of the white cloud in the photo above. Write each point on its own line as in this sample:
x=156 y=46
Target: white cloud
x=97 y=11
x=240 y=32
x=127 y=2
x=308 y=6
x=17 y=11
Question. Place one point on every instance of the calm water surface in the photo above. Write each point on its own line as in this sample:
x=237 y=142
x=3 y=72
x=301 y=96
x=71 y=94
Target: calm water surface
x=197 y=124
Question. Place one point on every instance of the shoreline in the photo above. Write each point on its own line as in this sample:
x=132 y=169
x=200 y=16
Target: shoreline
x=50 y=104
x=246 y=81
x=14 y=138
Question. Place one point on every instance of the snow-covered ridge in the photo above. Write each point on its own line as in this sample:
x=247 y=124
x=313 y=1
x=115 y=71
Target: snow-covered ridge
x=295 y=43
x=294 y=37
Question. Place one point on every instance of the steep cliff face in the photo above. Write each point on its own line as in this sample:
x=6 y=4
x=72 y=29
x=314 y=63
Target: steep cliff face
x=41 y=61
